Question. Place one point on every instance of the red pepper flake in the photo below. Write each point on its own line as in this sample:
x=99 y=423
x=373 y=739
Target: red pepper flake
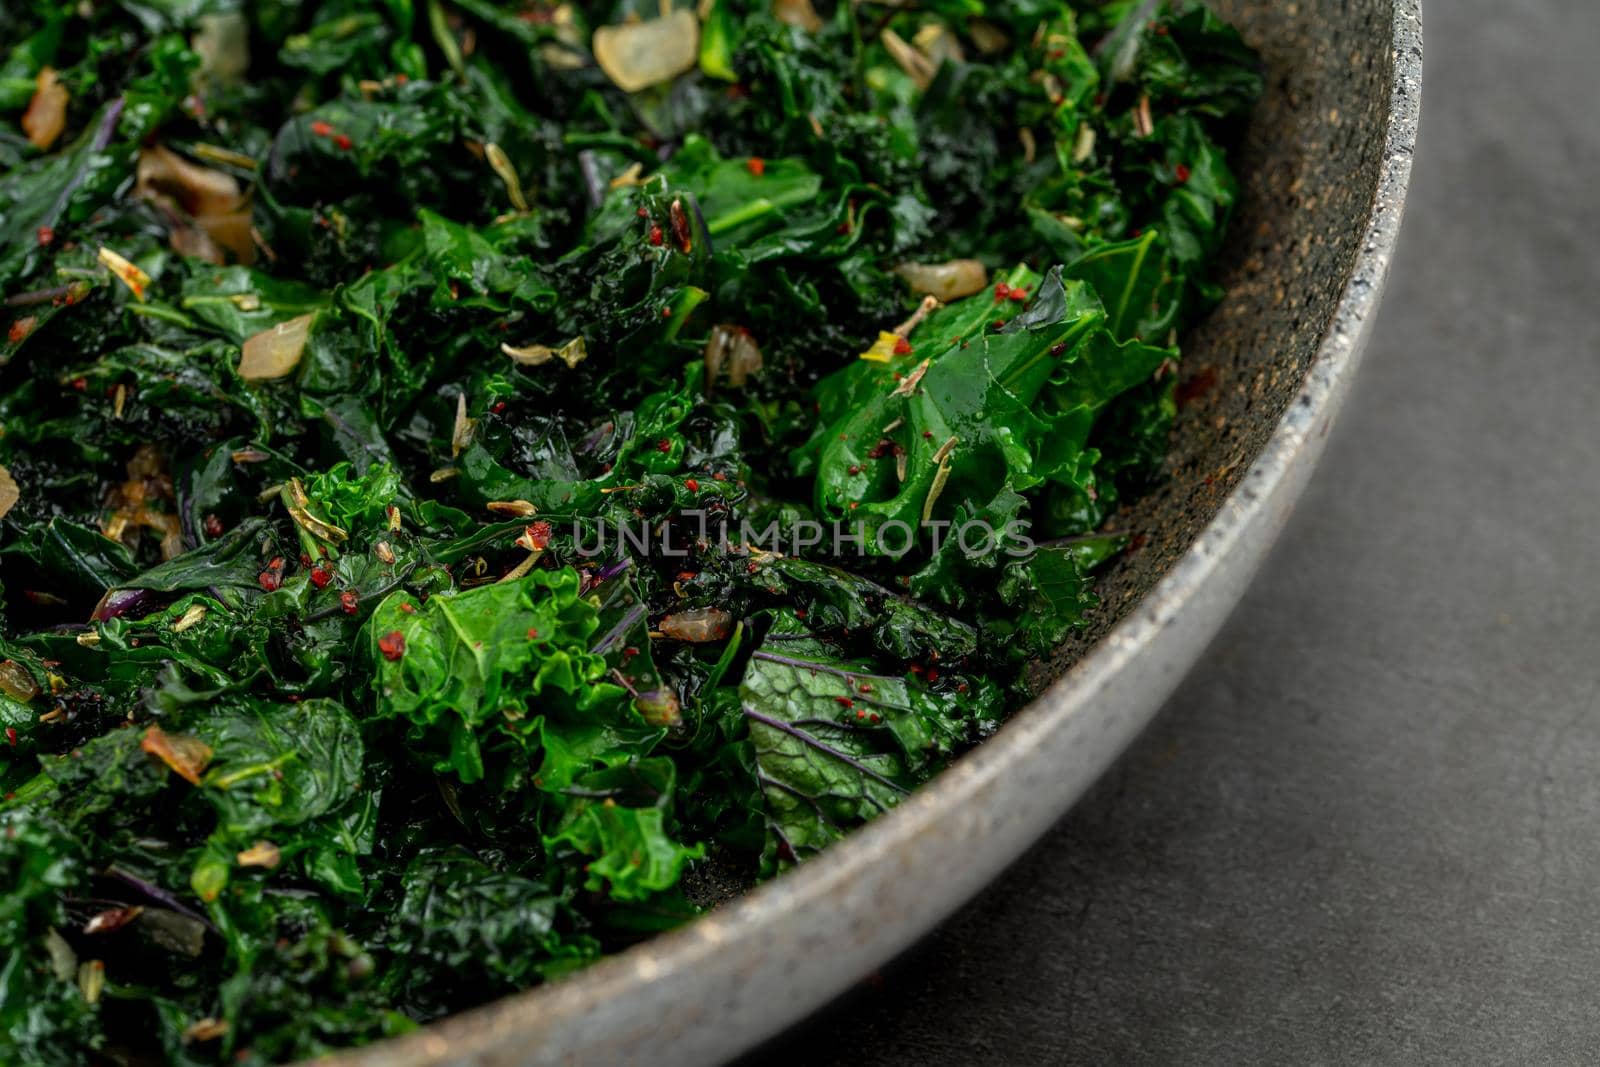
x=865 y=687
x=533 y=633
x=799 y=613
x=11 y=735
x=719 y=477
x=1001 y=291
x=272 y=578
x=687 y=576
x=630 y=652
x=497 y=407
x=538 y=535
x=915 y=668
x=19 y=333
x=933 y=674
x=46 y=234
x=663 y=445
x=875 y=717
x=305 y=559
x=1182 y=172
x=999 y=324
x=756 y=165
x=213 y=526
x=1058 y=348
x=400 y=79
x=854 y=504
x=408 y=609
x=901 y=346
x=666 y=313
x=845 y=702
x=855 y=468
x=1019 y=294
x=928 y=434
x=320 y=577
x=392 y=645
x=861 y=715
x=656 y=236
x=321 y=129
x=348 y=601
x=343 y=142
x=1161 y=31
x=751 y=567
x=843 y=227
x=642 y=213
x=691 y=485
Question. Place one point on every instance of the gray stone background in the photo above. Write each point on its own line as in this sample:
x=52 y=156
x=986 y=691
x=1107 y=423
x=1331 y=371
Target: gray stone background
x=1367 y=829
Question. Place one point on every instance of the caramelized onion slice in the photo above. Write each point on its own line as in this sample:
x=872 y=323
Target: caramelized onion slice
x=637 y=55
x=46 y=116
x=947 y=281
x=275 y=352
x=9 y=493
x=698 y=625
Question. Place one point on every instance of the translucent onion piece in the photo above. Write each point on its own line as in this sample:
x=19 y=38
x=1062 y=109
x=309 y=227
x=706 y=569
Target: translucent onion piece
x=731 y=347
x=275 y=352
x=9 y=493
x=186 y=755
x=16 y=682
x=698 y=625
x=46 y=116
x=947 y=281
x=572 y=353
x=198 y=190
x=637 y=55
x=261 y=854
x=797 y=13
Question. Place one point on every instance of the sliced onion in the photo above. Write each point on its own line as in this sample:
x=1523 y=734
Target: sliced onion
x=637 y=55
x=46 y=116
x=947 y=281
x=734 y=348
x=185 y=754
x=698 y=625
x=231 y=232
x=16 y=682
x=9 y=493
x=275 y=352
x=797 y=13
x=572 y=353
x=198 y=190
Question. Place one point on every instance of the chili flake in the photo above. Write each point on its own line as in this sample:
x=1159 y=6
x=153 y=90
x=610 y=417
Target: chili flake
x=347 y=601
x=392 y=645
x=756 y=165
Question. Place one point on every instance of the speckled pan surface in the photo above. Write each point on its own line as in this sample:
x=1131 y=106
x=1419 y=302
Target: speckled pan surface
x=1325 y=172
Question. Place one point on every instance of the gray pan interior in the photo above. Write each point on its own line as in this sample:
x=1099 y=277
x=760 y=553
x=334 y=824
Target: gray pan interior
x=1324 y=173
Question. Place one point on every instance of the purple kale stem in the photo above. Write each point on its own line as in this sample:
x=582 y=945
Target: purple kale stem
x=155 y=892
x=614 y=568
x=630 y=619
x=102 y=137
x=809 y=665
x=820 y=746
x=37 y=296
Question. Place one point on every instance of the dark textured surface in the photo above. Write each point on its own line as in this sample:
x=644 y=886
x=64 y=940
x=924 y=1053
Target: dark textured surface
x=1367 y=830
x=1308 y=167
